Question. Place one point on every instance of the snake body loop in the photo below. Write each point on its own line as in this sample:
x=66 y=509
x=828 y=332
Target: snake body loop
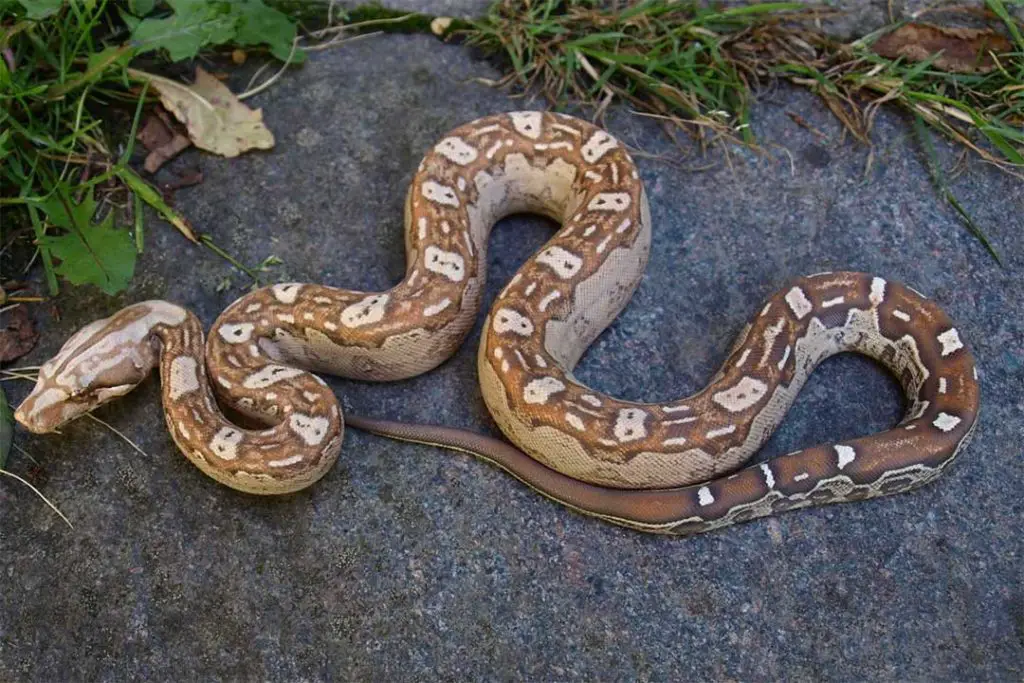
x=667 y=467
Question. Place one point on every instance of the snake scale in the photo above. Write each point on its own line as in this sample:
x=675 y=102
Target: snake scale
x=670 y=467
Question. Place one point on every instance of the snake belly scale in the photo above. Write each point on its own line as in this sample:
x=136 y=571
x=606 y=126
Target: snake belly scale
x=669 y=467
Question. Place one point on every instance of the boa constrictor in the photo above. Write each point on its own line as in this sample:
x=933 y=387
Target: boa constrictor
x=662 y=467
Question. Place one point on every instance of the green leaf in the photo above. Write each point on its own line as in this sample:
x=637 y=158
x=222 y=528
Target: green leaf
x=40 y=9
x=259 y=24
x=194 y=25
x=6 y=428
x=129 y=19
x=89 y=253
x=141 y=8
x=1000 y=9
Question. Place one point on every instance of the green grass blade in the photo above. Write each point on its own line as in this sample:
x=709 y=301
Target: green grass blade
x=595 y=38
x=999 y=8
x=148 y=194
x=762 y=8
x=939 y=181
x=130 y=143
x=997 y=139
x=44 y=251
x=615 y=58
x=139 y=223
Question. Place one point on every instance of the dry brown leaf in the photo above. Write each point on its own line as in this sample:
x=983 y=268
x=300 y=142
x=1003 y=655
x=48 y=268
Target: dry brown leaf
x=161 y=155
x=18 y=335
x=154 y=133
x=216 y=120
x=964 y=50
x=161 y=139
x=188 y=178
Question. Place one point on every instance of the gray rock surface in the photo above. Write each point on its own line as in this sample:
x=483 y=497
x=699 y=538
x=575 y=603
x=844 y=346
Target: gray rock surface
x=409 y=563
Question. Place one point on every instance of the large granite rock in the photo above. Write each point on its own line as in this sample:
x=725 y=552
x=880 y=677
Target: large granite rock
x=410 y=563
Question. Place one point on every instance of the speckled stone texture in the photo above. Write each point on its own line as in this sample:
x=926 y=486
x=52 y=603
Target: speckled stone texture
x=410 y=563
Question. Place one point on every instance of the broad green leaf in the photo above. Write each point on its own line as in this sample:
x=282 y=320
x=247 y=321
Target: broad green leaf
x=129 y=19
x=141 y=8
x=6 y=428
x=89 y=253
x=40 y=9
x=260 y=24
x=194 y=25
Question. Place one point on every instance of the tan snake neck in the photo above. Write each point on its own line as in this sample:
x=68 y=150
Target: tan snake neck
x=657 y=467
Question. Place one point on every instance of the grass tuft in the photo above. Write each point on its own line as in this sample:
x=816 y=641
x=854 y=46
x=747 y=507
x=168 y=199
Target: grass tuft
x=666 y=58
x=69 y=101
x=701 y=65
x=697 y=68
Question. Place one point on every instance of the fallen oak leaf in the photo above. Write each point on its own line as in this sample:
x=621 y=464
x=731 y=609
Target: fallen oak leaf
x=963 y=50
x=18 y=336
x=216 y=120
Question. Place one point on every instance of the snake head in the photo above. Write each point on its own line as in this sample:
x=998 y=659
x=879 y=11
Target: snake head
x=102 y=361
